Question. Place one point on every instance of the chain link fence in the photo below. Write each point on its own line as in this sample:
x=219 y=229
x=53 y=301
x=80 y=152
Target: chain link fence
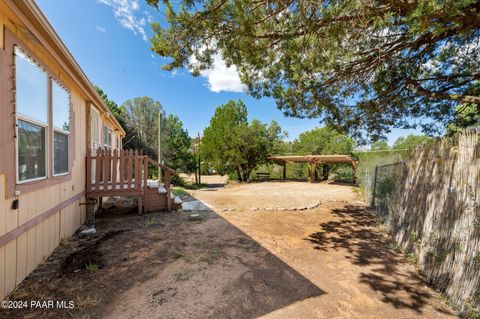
x=385 y=181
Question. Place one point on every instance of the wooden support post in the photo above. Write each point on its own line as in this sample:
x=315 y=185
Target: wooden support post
x=169 y=189
x=316 y=172
x=98 y=168
x=284 y=170
x=354 y=171
x=88 y=177
x=89 y=210
x=140 y=205
x=310 y=171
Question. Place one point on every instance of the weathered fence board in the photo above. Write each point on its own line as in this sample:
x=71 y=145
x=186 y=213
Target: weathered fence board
x=432 y=206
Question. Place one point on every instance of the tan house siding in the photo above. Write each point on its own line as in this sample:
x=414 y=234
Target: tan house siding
x=49 y=210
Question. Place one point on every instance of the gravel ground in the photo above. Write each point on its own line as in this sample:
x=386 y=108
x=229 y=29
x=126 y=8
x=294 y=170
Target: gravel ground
x=276 y=195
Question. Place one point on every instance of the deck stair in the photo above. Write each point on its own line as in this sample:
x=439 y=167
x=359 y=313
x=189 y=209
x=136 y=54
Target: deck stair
x=126 y=173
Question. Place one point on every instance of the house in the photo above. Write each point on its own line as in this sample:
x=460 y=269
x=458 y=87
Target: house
x=51 y=120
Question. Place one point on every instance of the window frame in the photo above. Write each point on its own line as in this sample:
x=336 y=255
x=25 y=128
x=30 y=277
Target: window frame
x=48 y=126
x=24 y=118
x=58 y=130
x=95 y=143
x=118 y=142
x=106 y=128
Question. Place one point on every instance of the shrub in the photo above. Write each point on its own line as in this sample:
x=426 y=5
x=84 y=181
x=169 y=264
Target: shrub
x=178 y=181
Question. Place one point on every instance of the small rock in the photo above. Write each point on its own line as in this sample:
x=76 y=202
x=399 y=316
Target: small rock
x=195 y=217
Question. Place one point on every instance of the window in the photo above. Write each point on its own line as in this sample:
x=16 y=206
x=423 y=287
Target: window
x=94 y=129
x=31 y=151
x=32 y=118
x=61 y=128
x=119 y=142
x=107 y=136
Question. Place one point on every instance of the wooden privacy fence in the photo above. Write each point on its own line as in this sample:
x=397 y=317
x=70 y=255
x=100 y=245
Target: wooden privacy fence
x=431 y=203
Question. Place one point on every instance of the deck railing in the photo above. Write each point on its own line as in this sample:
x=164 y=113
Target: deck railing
x=122 y=173
x=117 y=173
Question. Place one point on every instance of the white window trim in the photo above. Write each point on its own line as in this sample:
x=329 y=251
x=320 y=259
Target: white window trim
x=19 y=116
x=55 y=129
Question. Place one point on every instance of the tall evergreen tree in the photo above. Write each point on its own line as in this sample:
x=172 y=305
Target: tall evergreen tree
x=359 y=65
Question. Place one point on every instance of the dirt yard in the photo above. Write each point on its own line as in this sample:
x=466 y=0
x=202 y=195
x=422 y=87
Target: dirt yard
x=271 y=250
x=326 y=234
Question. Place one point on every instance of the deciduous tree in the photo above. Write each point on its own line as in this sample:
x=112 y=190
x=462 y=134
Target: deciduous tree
x=324 y=140
x=231 y=145
x=381 y=145
x=409 y=142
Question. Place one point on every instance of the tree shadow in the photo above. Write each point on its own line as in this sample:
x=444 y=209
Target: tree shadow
x=385 y=270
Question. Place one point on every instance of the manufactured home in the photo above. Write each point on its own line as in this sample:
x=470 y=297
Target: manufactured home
x=60 y=147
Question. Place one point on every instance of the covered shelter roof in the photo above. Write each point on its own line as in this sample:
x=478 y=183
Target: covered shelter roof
x=326 y=159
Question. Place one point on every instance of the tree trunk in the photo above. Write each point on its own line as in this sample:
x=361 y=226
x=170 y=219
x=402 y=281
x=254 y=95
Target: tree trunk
x=239 y=174
x=247 y=178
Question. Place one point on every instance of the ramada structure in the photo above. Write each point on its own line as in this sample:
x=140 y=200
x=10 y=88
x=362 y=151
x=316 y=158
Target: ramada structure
x=61 y=148
x=314 y=162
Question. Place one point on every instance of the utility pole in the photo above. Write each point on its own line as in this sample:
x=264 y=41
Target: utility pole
x=159 y=157
x=199 y=167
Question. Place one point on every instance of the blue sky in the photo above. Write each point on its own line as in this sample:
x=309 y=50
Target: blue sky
x=109 y=39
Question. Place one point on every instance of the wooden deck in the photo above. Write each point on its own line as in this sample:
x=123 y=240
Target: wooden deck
x=126 y=173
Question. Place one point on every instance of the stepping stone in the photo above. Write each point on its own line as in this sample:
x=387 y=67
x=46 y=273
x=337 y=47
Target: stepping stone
x=194 y=206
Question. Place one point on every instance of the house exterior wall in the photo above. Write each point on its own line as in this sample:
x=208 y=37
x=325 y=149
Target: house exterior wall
x=49 y=210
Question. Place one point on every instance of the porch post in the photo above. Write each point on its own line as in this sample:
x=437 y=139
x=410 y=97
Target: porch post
x=285 y=170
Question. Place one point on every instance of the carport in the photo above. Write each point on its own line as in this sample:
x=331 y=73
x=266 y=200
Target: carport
x=313 y=162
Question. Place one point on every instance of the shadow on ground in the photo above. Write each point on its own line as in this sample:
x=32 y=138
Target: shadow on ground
x=386 y=271
x=163 y=265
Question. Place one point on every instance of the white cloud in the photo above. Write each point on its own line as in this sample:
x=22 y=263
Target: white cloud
x=126 y=12
x=222 y=78
x=100 y=29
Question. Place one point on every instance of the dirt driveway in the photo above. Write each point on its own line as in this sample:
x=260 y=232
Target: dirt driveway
x=327 y=235
x=272 y=250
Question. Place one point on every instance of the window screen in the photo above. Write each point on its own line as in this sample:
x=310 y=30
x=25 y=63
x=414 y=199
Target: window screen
x=107 y=136
x=31 y=151
x=94 y=128
x=60 y=154
x=61 y=127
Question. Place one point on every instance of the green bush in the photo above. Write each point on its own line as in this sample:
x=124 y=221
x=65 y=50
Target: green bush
x=341 y=173
x=367 y=162
x=178 y=181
